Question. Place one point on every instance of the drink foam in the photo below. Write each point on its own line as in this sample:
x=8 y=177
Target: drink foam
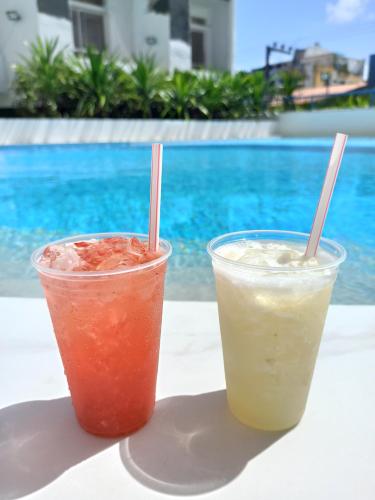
x=281 y=266
x=272 y=254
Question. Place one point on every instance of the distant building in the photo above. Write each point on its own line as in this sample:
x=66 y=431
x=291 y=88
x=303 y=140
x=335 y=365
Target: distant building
x=319 y=66
x=322 y=67
x=180 y=34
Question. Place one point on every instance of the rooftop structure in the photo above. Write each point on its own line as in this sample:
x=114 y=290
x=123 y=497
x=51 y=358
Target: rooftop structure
x=322 y=67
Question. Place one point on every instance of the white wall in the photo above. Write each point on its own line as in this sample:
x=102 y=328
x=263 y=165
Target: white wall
x=120 y=27
x=129 y=23
x=50 y=27
x=219 y=30
x=179 y=55
x=149 y=24
x=13 y=39
x=73 y=131
x=355 y=122
x=231 y=34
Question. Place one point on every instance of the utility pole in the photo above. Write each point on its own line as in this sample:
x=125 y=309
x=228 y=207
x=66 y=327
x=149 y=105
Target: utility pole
x=371 y=79
x=274 y=48
x=326 y=79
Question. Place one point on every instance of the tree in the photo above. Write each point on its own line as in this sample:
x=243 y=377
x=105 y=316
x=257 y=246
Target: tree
x=41 y=79
x=148 y=82
x=290 y=81
x=99 y=85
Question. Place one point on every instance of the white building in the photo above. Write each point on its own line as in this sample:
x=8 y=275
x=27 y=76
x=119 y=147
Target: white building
x=180 y=34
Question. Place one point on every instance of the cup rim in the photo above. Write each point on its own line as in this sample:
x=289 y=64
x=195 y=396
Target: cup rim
x=245 y=266
x=91 y=274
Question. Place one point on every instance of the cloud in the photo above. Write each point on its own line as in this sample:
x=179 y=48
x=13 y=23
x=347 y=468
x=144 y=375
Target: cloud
x=345 y=11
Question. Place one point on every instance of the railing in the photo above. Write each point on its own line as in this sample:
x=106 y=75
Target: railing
x=323 y=100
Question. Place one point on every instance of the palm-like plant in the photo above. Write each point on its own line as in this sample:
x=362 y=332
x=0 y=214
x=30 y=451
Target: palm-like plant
x=239 y=95
x=212 y=97
x=243 y=95
x=290 y=80
x=180 y=98
x=261 y=92
x=41 y=79
x=99 y=86
x=148 y=83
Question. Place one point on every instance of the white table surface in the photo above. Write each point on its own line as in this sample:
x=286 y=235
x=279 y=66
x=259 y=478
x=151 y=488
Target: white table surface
x=192 y=445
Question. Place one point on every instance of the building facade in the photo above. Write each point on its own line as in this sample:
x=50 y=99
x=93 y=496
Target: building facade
x=179 y=34
x=321 y=67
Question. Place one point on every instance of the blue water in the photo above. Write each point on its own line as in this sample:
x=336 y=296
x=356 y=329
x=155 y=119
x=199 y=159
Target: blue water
x=47 y=192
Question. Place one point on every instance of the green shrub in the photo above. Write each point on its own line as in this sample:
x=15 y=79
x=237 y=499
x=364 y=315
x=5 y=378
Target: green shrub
x=261 y=93
x=148 y=83
x=41 y=79
x=290 y=80
x=339 y=102
x=181 y=98
x=97 y=84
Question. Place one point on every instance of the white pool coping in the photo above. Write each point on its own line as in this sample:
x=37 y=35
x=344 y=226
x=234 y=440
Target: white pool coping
x=357 y=122
x=192 y=445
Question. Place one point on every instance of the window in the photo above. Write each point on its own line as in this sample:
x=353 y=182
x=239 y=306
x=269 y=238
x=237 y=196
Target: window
x=200 y=21
x=99 y=3
x=198 y=53
x=200 y=30
x=88 y=24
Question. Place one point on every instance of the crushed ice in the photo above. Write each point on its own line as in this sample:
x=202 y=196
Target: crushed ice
x=97 y=255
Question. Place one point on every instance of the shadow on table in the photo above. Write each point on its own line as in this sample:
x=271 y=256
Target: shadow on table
x=192 y=445
x=39 y=440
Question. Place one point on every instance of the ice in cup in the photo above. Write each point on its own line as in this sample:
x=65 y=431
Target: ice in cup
x=272 y=307
x=105 y=297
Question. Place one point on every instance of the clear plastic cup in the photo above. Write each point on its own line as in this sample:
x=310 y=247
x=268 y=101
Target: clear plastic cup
x=271 y=321
x=107 y=325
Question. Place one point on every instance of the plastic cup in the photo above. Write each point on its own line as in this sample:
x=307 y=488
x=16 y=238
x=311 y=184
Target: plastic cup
x=107 y=325
x=271 y=322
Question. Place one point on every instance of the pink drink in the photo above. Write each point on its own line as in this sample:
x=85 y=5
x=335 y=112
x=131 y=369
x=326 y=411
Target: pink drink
x=105 y=297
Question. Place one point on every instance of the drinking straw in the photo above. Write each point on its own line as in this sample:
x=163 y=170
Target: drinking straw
x=326 y=194
x=155 y=193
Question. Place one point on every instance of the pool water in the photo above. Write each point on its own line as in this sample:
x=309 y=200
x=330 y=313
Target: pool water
x=47 y=192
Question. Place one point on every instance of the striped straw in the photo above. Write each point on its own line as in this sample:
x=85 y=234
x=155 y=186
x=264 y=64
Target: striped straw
x=155 y=194
x=326 y=194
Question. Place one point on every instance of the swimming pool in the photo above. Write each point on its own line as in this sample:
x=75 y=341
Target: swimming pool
x=47 y=192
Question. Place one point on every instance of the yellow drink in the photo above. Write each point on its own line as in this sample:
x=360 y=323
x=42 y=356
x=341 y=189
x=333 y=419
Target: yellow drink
x=272 y=308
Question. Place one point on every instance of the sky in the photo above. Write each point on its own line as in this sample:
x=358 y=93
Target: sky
x=344 y=26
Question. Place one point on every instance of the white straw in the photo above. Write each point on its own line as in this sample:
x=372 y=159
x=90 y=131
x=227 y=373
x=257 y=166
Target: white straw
x=155 y=195
x=326 y=194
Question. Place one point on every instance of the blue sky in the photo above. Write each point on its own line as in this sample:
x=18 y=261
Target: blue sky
x=345 y=26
